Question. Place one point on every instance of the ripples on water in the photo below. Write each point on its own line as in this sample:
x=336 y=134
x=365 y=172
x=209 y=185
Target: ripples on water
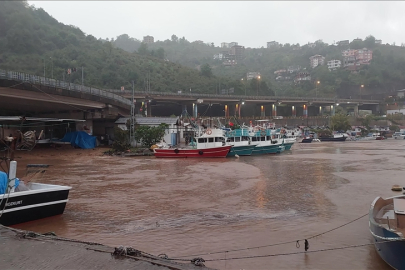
x=190 y=206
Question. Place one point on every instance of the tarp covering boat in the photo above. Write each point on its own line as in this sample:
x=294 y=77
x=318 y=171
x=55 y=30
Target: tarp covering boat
x=80 y=139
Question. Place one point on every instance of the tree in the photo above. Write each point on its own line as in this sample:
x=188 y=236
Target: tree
x=148 y=136
x=143 y=49
x=369 y=42
x=175 y=38
x=206 y=70
x=340 y=121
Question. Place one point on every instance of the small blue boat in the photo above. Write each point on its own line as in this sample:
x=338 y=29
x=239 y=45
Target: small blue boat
x=387 y=226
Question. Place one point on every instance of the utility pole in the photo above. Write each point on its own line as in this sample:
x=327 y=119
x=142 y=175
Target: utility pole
x=44 y=67
x=82 y=75
x=132 y=120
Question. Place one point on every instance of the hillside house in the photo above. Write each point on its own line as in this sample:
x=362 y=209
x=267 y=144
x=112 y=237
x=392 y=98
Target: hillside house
x=148 y=39
x=334 y=64
x=251 y=75
x=317 y=60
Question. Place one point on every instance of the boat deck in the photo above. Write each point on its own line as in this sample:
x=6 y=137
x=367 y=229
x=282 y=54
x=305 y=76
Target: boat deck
x=392 y=216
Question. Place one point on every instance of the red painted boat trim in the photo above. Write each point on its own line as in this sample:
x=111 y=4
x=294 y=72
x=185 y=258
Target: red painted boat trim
x=192 y=153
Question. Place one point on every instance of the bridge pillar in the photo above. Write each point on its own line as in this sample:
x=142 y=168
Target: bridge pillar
x=305 y=110
x=293 y=111
x=274 y=110
x=226 y=111
x=184 y=111
x=148 y=108
x=320 y=110
x=356 y=110
x=195 y=110
x=262 y=111
x=332 y=110
x=237 y=109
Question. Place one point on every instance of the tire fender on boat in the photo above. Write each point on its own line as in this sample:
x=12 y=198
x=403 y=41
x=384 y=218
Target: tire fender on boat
x=200 y=152
x=176 y=151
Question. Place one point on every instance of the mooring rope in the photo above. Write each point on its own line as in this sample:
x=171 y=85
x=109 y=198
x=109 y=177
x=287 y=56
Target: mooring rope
x=276 y=244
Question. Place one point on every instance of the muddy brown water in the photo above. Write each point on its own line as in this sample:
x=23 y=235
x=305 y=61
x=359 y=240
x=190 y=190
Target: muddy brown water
x=188 y=208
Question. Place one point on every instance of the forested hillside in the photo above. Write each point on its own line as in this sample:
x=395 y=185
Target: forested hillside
x=384 y=74
x=30 y=39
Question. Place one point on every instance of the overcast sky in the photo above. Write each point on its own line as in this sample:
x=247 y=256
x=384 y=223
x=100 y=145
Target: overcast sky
x=249 y=23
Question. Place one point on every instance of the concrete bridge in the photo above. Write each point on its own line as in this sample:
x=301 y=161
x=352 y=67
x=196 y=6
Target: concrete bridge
x=22 y=93
x=246 y=106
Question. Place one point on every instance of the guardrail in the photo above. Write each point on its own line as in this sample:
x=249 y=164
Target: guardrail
x=19 y=76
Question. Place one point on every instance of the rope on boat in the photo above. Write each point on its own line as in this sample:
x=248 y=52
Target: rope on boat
x=281 y=243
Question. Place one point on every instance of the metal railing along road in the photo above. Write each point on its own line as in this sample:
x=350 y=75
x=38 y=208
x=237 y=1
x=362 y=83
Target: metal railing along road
x=23 y=77
x=245 y=98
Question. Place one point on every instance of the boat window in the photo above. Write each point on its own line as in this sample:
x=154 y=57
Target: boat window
x=254 y=139
x=210 y=139
x=202 y=140
x=237 y=139
x=245 y=138
x=262 y=139
x=231 y=139
x=268 y=138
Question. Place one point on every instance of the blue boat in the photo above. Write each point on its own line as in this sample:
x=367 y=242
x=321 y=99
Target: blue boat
x=240 y=141
x=387 y=226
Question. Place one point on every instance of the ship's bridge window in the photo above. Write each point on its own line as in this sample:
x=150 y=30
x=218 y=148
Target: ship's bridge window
x=245 y=138
x=230 y=139
x=237 y=139
x=210 y=139
x=202 y=140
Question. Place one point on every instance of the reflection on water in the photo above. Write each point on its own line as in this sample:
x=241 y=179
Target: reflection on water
x=190 y=206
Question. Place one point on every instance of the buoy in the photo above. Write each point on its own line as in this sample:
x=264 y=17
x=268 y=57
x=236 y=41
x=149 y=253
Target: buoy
x=236 y=155
x=396 y=188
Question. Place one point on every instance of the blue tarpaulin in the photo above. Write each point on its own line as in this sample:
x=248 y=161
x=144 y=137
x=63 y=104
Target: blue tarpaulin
x=4 y=182
x=80 y=139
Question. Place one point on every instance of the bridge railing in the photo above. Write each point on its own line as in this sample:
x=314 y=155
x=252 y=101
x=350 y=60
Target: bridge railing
x=244 y=98
x=34 y=79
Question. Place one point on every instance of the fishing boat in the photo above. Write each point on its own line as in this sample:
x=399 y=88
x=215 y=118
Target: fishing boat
x=34 y=201
x=307 y=140
x=208 y=143
x=261 y=139
x=387 y=226
x=239 y=139
x=289 y=138
x=333 y=138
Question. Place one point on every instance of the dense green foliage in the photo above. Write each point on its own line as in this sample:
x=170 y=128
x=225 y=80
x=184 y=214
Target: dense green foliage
x=121 y=141
x=148 y=135
x=340 y=121
x=30 y=40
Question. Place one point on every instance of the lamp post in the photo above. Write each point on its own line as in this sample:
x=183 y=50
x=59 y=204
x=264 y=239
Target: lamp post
x=51 y=67
x=317 y=83
x=44 y=67
x=244 y=84
x=258 y=83
x=361 y=87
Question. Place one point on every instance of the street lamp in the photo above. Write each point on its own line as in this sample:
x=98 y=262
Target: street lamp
x=258 y=83
x=317 y=83
x=361 y=87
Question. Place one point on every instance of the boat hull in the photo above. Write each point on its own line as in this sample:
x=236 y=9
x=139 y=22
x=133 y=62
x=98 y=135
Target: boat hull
x=31 y=205
x=244 y=150
x=288 y=145
x=327 y=139
x=265 y=149
x=392 y=252
x=192 y=153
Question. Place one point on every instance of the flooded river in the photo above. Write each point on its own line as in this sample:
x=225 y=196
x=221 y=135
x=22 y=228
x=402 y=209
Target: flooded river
x=234 y=208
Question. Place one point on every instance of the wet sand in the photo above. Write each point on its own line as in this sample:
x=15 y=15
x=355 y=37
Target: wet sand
x=193 y=207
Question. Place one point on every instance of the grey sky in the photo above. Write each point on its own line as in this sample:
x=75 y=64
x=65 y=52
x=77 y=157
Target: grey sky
x=249 y=23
